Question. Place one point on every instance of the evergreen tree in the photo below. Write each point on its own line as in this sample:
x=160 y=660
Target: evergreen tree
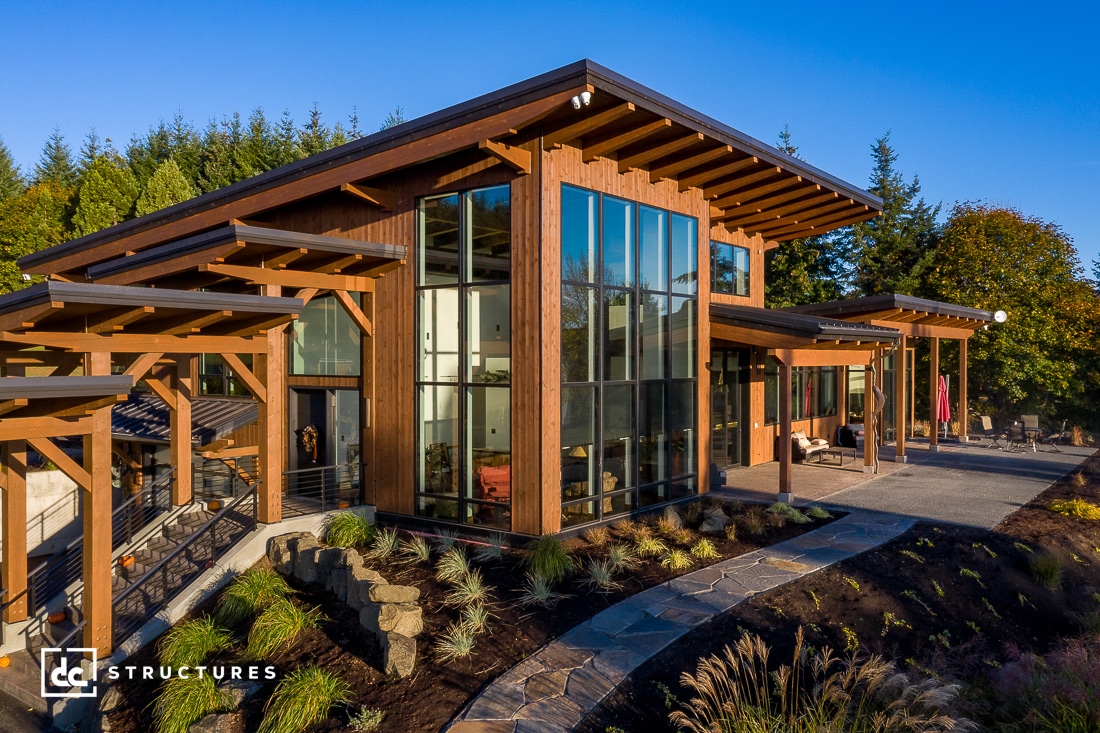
x=393 y=119
x=891 y=252
x=28 y=223
x=314 y=137
x=1095 y=273
x=106 y=195
x=56 y=163
x=11 y=182
x=286 y=140
x=166 y=187
x=177 y=141
x=353 y=119
x=91 y=149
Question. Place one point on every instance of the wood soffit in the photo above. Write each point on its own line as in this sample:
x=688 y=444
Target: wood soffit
x=756 y=188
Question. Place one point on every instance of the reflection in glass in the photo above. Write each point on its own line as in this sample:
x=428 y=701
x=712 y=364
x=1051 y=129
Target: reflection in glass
x=685 y=270
x=721 y=267
x=574 y=514
x=621 y=503
x=618 y=436
x=438 y=248
x=654 y=335
x=653 y=443
x=324 y=340
x=579 y=224
x=653 y=232
x=682 y=338
x=488 y=333
x=682 y=426
x=741 y=271
x=488 y=446
x=489 y=233
x=771 y=390
x=618 y=335
x=618 y=242
x=578 y=443
x=578 y=333
x=438 y=335
x=653 y=494
x=438 y=427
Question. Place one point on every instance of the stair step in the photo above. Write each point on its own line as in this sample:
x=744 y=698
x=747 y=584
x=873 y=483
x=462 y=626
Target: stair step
x=23 y=681
x=54 y=633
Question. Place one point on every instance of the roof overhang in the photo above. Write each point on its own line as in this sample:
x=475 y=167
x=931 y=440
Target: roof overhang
x=751 y=185
x=783 y=330
x=59 y=397
x=911 y=316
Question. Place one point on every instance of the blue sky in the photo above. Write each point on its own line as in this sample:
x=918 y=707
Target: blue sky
x=1000 y=105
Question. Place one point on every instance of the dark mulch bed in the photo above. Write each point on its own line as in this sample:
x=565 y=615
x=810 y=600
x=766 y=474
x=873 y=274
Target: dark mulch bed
x=961 y=632
x=436 y=692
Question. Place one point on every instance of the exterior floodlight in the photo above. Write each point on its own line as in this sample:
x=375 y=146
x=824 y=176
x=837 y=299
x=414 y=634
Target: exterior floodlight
x=586 y=97
x=576 y=102
x=1000 y=316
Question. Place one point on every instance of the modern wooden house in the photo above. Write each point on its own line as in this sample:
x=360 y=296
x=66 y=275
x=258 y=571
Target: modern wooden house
x=534 y=311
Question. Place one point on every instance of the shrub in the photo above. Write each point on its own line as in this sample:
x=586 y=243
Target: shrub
x=735 y=693
x=250 y=592
x=1077 y=508
x=384 y=544
x=1046 y=568
x=190 y=643
x=816 y=512
x=184 y=701
x=303 y=699
x=277 y=626
x=601 y=575
x=475 y=617
x=493 y=549
x=348 y=529
x=752 y=521
x=783 y=509
x=598 y=536
x=416 y=550
x=446 y=539
x=676 y=560
x=704 y=550
x=538 y=590
x=650 y=547
x=455 y=643
x=452 y=566
x=468 y=589
x=549 y=558
x=366 y=720
x=1055 y=692
x=621 y=557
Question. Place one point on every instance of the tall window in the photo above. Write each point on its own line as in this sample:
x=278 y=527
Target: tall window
x=464 y=366
x=813 y=392
x=215 y=378
x=729 y=269
x=628 y=340
x=324 y=340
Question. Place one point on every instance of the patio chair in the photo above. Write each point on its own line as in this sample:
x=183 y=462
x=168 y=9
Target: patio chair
x=1062 y=437
x=989 y=432
x=1017 y=438
x=1031 y=427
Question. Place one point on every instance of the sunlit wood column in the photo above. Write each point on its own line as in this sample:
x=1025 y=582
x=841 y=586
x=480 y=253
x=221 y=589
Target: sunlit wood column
x=14 y=567
x=900 y=363
x=181 y=448
x=366 y=440
x=270 y=368
x=964 y=415
x=786 y=471
x=98 y=632
x=870 y=442
x=934 y=396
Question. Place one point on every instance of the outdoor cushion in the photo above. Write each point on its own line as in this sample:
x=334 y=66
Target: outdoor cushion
x=798 y=435
x=819 y=441
x=803 y=443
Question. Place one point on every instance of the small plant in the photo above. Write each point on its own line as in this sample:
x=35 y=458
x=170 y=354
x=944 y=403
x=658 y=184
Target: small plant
x=650 y=547
x=1023 y=600
x=446 y=539
x=676 y=560
x=786 y=510
x=851 y=641
x=816 y=512
x=1046 y=569
x=1077 y=558
x=548 y=557
x=468 y=589
x=493 y=549
x=601 y=575
x=752 y=521
x=815 y=599
x=779 y=612
x=1023 y=548
x=277 y=626
x=731 y=532
x=981 y=546
x=190 y=643
x=475 y=617
x=539 y=591
x=913 y=555
x=597 y=536
x=348 y=529
x=1079 y=480
x=384 y=545
x=852 y=582
x=681 y=537
x=303 y=699
x=973 y=575
x=912 y=595
x=457 y=642
x=974 y=627
x=1077 y=508
x=943 y=639
x=890 y=620
x=989 y=607
x=924 y=542
x=666 y=526
x=452 y=565
x=939 y=589
x=416 y=550
x=250 y=592
x=626 y=527
x=367 y=720
x=621 y=558
x=184 y=701
x=704 y=550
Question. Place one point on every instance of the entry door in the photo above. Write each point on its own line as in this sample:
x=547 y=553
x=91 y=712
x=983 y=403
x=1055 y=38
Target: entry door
x=332 y=415
x=727 y=381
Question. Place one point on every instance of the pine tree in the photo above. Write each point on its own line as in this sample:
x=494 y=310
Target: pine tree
x=11 y=182
x=1096 y=273
x=891 y=252
x=166 y=187
x=90 y=149
x=393 y=119
x=56 y=163
x=314 y=136
x=106 y=195
x=286 y=140
x=353 y=119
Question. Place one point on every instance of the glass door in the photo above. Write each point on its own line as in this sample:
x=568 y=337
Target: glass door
x=726 y=387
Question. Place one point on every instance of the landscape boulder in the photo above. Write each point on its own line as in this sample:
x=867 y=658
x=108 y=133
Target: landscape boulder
x=673 y=517
x=400 y=618
x=714 y=521
x=215 y=723
x=241 y=690
x=398 y=654
x=280 y=551
x=360 y=581
x=385 y=593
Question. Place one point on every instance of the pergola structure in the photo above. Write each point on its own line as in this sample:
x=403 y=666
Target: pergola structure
x=913 y=318
x=798 y=340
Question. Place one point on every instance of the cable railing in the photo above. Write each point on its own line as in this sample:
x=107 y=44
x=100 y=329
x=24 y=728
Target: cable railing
x=225 y=478
x=321 y=488
x=155 y=589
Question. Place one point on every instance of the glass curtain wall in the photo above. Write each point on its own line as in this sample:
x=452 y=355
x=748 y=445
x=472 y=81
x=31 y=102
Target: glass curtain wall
x=464 y=367
x=324 y=340
x=628 y=340
x=813 y=392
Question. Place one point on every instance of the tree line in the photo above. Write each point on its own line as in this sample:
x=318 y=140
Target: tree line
x=1045 y=359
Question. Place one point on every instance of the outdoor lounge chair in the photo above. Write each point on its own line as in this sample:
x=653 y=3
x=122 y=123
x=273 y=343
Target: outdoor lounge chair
x=989 y=432
x=802 y=447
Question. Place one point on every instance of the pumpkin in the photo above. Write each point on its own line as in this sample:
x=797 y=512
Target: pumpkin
x=5 y=661
x=214 y=505
x=126 y=561
x=57 y=617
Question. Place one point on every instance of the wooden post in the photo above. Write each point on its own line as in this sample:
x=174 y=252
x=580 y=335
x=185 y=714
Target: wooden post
x=270 y=368
x=14 y=567
x=366 y=440
x=934 y=396
x=870 y=442
x=911 y=365
x=880 y=382
x=786 y=492
x=964 y=415
x=98 y=633
x=899 y=401
x=181 y=432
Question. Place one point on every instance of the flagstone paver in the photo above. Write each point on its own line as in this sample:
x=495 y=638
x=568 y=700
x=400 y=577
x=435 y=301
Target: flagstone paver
x=556 y=687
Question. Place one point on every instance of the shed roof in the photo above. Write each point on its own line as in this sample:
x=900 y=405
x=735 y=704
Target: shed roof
x=913 y=316
x=812 y=330
x=146 y=418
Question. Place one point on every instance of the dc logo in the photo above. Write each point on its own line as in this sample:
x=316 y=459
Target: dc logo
x=66 y=679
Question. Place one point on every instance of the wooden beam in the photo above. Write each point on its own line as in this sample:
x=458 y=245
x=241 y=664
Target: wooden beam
x=161 y=390
x=334 y=268
x=964 y=413
x=306 y=294
x=380 y=270
x=717 y=189
x=259 y=327
x=934 y=395
x=270 y=367
x=192 y=324
x=48 y=450
x=12 y=405
x=241 y=452
x=19 y=428
x=763 y=204
x=66 y=407
x=280 y=261
x=695 y=180
x=124 y=343
x=143 y=364
x=27 y=318
x=785 y=469
x=373 y=196
x=255 y=386
x=777 y=212
x=219 y=445
x=13 y=571
x=601 y=148
x=173 y=266
x=675 y=167
x=125 y=457
x=820 y=227
x=353 y=310
x=822 y=357
x=647 y=156
x=556 y=138
x=97 y=575
x=517 y=159
x=899 y=402
x=745 y=195
x=287 y=278
x=180 y=430
x=119 y=321
x=753 y=337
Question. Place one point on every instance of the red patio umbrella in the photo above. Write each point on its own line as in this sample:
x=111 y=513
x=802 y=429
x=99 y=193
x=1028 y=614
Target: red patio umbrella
x=943 y=409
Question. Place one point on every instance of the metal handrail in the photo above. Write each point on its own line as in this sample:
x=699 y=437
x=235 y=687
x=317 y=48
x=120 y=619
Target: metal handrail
x=325 y=487
x=62 y=647
x=161 y=567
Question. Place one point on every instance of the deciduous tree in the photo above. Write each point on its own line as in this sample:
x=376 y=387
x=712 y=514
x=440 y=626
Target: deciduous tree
x=166 y=187
x=106 y=195
x=28 y=223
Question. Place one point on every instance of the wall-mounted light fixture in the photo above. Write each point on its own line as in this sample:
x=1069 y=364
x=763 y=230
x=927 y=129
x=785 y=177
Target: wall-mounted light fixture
x=584 y=98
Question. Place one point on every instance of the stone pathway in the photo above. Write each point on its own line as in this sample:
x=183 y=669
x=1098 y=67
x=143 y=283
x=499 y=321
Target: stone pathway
x=554 y=689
